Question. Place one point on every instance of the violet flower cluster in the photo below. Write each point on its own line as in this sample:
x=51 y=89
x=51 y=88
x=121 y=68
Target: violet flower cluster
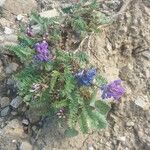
x=113 y=89
x=42 y=51
x=85 y=77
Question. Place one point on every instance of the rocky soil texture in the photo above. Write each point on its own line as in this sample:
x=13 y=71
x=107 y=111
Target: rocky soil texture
x=120 y=51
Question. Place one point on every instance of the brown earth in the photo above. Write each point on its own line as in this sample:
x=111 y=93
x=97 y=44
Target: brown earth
x=120 y=51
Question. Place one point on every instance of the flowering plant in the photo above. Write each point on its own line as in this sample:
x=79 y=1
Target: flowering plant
x=63 y=84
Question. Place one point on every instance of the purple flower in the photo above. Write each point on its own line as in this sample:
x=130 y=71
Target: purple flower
x=114 y=89
x=43 y=53
x=85 y=77
x=41 y=47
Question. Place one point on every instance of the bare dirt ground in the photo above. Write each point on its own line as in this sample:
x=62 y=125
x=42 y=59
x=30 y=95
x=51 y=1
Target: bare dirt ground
x=120 y=51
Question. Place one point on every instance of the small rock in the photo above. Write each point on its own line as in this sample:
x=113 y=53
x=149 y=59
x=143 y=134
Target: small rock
x=14 y=113
x=19 y=17
x=2 y=2
x=4 y=101
x=12 y=67
x=146 y=54
x=25 y=146
x=107 y=134
x=49 y=13
x=130 y=124
x=5 y=111
x=8 y=30
x=25 y=122
x=10 y=81
x=143 y=102
x=16 y=102
x=90 y=147
x=109 y=46
x=122 y=138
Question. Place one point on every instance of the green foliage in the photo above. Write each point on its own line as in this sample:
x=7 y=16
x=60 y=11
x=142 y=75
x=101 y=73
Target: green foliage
x=47 y=25
x=85 y=17
x=23 y=53
x=102 y=107
x=25 y=41
x=51 y=88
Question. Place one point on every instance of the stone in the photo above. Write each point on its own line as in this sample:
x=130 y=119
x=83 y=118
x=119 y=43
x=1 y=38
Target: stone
x=90 y=147
x=14 y=113
x=10 y=81
x=8 y=30
x=16 y=102
x=122 y=138
x=146 y=54
x=25 y=146
x=12 y=67
x=19 y=17
x=143 y=102
x=5 y=111
x=4 y=101
x=2 y=2
x=109 y=46
x=25 y=122
x=130 y=124
x=49 y=13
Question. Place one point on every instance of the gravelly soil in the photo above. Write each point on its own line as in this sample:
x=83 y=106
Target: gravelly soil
x=120 y=51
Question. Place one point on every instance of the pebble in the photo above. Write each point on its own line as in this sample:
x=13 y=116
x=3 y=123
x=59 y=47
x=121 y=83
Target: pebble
x=130 y=124
x=10 y=81
x=143 y=102
x=19 y=17
x=16 y=102
x=14 y=113
x=8 y=30
x=90 y=147
x=25 y=122
x=109 y=46
x=4 y=101
x=2 y=2
x=146 y=54
x=25 y=146
x=12 y=67
x=122 y=138
x=5 y=111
